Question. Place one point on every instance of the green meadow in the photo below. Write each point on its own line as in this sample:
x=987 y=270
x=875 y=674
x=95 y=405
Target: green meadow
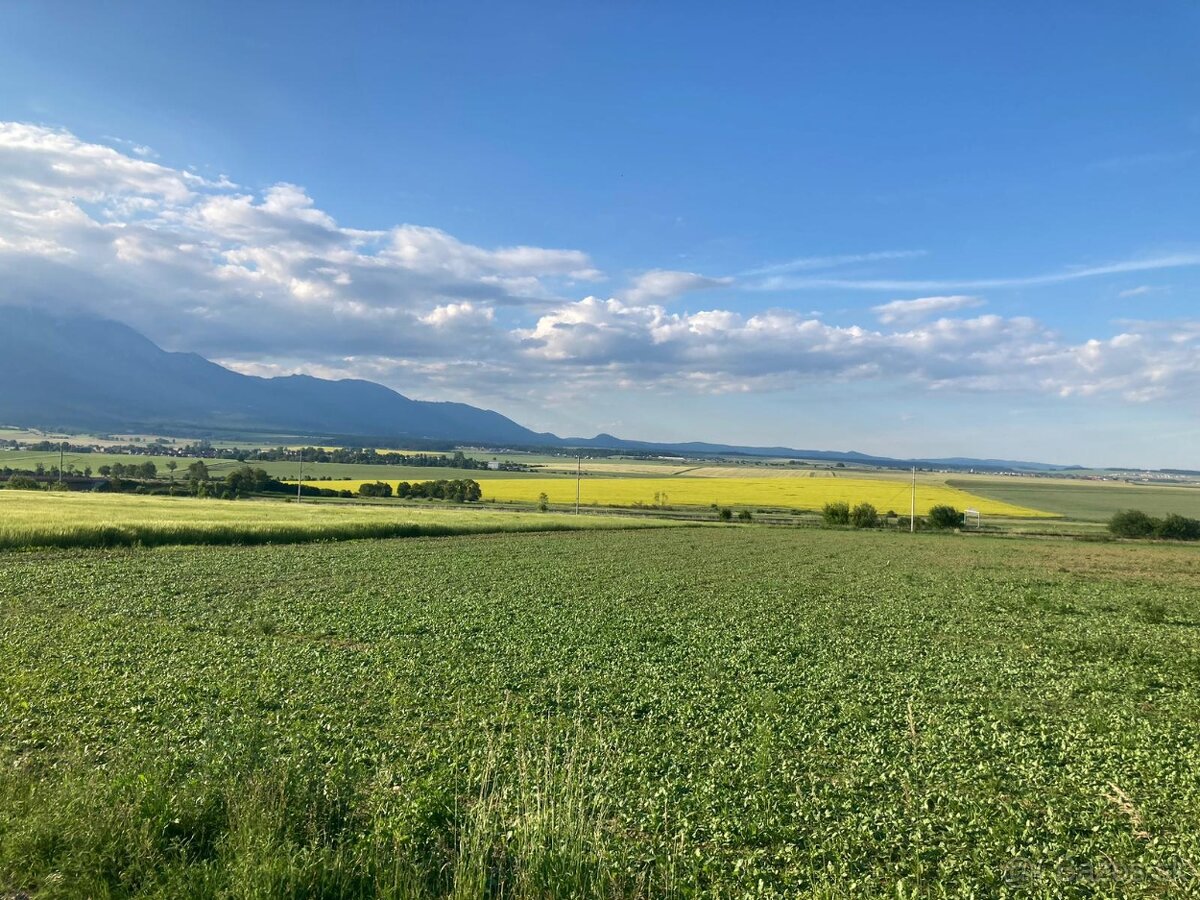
x=679 y=712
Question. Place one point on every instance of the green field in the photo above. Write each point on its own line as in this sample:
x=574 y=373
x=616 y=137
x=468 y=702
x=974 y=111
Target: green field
x=711 y=712
x=1085 y=500
x=63 y=519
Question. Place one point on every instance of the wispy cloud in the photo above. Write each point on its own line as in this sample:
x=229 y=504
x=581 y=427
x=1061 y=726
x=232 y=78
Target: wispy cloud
x=1141 y=290
x=904 y=311
x=807 y=263
x=665 y=284
x=136 y=149
x=1172 y=261
x=1141 y=161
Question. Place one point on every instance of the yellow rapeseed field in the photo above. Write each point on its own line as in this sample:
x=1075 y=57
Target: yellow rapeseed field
x=792 y=493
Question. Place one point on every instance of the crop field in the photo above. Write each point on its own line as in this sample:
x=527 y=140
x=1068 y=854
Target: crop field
x=37 y=519
x=794 y=493
x=1087 y=500
x=678 y=712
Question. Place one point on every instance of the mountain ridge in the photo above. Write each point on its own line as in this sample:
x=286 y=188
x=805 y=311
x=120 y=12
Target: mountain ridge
x=89 y=373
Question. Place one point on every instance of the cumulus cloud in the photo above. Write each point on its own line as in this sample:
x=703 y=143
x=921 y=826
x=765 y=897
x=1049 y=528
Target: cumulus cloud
x=923 y=307
x=723 y=351
x=267 y=281
x=205 y=264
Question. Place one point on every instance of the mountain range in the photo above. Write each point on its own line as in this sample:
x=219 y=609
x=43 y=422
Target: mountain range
x=83 y=373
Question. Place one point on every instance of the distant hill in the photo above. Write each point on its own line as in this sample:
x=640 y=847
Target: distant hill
x=80 y=373
x=699 y=448
x=75 y=372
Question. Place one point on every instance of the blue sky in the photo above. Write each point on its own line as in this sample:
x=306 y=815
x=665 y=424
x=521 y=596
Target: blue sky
x=906 y=229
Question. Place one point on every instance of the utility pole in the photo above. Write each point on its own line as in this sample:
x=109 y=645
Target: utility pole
x=300 y=477
x=62 y=446
x=912 y=518
x=578 y=469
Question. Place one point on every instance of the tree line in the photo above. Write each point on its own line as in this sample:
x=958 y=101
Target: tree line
x=459 y=490
x=349 y=456
x=864 y=515
x=247 y=481
x=1133 y=523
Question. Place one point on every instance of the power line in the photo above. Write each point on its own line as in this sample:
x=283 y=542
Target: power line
x=912 y=519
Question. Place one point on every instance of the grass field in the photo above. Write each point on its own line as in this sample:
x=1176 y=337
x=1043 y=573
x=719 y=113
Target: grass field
x=1086 y=500
x=37 y=519
x=795 y=493
x=677 y=712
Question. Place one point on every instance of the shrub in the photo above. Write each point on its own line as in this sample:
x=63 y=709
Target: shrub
x=745 y=516
x=22 y=483
x=378 y=489
x=864 y=516
x=837 y=513
x=1132 y=523
x=1178 y=528
x=725 y=514
x=943 y=516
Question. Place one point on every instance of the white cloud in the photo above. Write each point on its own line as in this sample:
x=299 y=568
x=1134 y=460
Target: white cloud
x=720 y=350
x=829 y=262
x=665 y=284
x=1141 y=291
x=212 y=267
x=923 y=307
x=453 y=314
x=270 y=282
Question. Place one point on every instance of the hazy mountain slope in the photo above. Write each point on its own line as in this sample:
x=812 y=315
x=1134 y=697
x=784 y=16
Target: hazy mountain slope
x=78 y=372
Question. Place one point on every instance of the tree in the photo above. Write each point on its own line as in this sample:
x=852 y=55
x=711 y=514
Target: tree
x=944 y=516
x=725 y=514
x=197 y=471
x=246 y=480
x=864 y=516
x=171 y=467
x=745 y=516
x=836 y=513
x=1132 y=523
x=543 y=501
x=1178 y=528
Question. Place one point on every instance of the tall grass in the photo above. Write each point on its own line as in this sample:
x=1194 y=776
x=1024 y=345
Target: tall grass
x=525 y=818
x=153 y=535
